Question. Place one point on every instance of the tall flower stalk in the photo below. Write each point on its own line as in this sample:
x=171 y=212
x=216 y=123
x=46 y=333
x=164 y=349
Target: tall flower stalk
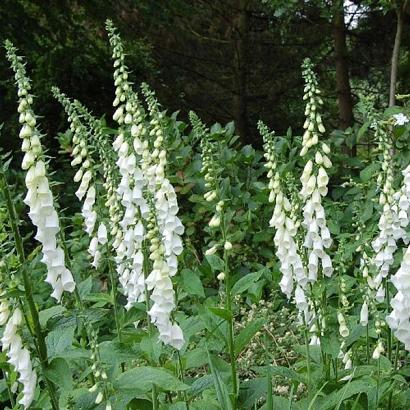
x=42 y=214
x=163 y=214
x=314 y=180
x=219 y=221
x=87 y=177
x=129 y=115
x=149 y=201
x=39 y=197
x=294 y=279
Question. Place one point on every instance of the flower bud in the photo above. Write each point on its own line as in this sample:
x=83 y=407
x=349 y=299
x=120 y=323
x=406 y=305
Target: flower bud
x=228 y=246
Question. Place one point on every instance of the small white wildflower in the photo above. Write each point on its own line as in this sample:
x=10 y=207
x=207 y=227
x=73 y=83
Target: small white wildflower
x=400 y=119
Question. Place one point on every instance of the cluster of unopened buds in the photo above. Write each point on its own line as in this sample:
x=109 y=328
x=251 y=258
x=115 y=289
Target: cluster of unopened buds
x=100 y=375
x=313 y=125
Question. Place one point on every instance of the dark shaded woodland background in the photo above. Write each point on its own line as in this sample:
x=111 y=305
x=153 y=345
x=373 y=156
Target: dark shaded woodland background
x=226 y=59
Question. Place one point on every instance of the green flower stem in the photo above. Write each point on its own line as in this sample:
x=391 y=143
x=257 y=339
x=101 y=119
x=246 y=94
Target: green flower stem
x=9 y=392
x=154 y=393
x=389 y=332
x=228 y=306
x=307 y=353
x=367 y=344
x=114 y=294
x=181 y=377
x=41 y=346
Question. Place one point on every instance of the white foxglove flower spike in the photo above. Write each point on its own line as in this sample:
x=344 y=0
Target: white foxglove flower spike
x=85 y=175
x=315 y=180
x=39 y=197
x=287 y=249
x=19 y=357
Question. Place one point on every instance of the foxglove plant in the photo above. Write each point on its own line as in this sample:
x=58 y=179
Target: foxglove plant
x=287 y=249
x=390 y=230
x=163 y=216
x=18 y=355
x=86 y=174
x=314 y=180
x=211 y=172
x=143 y=178
x=166 y=203
x=399 y=318
x=39 y=197
x=130 y=116
x=159 y=281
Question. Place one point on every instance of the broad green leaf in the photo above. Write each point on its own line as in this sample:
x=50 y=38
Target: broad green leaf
x=201 y=384
x=369 y=171
x=195 y=358
x=283 y=372
x=246 y=334
x=252 y=391
x=59 y=340
x=347 y=391
x=280 y=403
x=59 y=373
x=247 y=281
x=215 y=262
x=223 y=313
x=204 y=404
x=83 y=399
x=46 y=314
x=112 y=352
x=101 y=298
x=191 y=283
x=151 y=348
x=144 y=377
x=331 y=345
x=220 y=387
x=85 y=287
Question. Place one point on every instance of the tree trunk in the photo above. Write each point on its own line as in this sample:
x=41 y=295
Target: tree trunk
x=344 y=95
x=395 y=55
x=240 y=60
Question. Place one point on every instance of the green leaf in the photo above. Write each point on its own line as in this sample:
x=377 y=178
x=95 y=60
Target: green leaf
x=205 y=404
x=330 y=345
x=144 y=377
x=367 y=173
x=151 y=348
x=220 y=386
x=253 y=390
x=283 y=372
x=59 y=340
x=85 y=287
x=247 y=281
x=101 y=298
x=215 y=262
x=83 y=399
x=349 y=390
x=223 y=313
x=191 y=283
x=201 y=384
x=195 y=358
x=46 y=314
x=112 y=352
x=59 y=373
x=246 y=334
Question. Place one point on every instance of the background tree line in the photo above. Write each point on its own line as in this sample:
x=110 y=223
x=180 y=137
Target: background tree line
x=230 y=59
